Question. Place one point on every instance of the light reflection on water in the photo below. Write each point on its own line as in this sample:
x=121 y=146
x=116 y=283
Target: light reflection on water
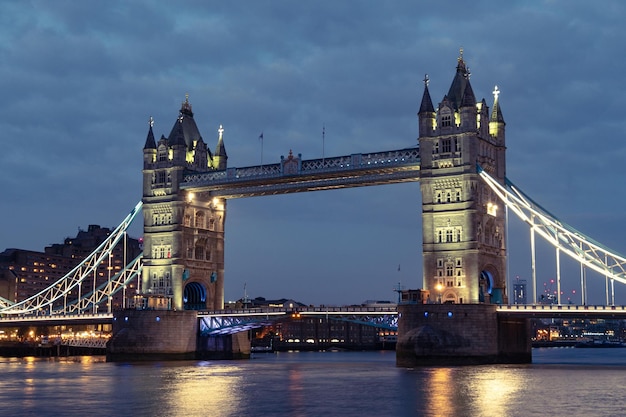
x=575 y=382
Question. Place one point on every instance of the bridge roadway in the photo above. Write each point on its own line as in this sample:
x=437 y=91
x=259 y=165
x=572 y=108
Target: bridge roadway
x=380 y=316
x=55 y=319
x=553 y=311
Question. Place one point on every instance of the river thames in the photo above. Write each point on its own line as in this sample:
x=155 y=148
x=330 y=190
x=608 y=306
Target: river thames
x=560 y=381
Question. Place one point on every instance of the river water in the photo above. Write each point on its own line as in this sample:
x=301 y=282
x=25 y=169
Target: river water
x=560 y=382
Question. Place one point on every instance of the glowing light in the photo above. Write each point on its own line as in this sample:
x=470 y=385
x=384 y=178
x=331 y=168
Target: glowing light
x=190 y=197
x=492 y=209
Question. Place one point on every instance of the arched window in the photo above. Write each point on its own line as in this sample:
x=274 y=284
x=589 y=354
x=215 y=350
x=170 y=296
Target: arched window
x=199 y=222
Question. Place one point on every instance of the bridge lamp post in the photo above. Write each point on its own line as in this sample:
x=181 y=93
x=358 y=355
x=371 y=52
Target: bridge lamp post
x=439 y=288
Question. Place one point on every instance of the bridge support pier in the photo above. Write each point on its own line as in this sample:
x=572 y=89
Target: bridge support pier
x=460 y=334
x=230 y=346
x=153 y=335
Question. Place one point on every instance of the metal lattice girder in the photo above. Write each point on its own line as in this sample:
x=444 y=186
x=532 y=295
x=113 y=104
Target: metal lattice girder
x=383 y=320
x=562 y=236
x=229 y=323
x=45 y=299
x=4 y=303
x=106 y=290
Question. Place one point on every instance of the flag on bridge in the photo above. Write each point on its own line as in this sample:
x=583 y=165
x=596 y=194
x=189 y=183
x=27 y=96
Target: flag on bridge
x=261 y=136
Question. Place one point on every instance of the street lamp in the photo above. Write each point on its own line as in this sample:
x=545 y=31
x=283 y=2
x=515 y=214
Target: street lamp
x=439 y=287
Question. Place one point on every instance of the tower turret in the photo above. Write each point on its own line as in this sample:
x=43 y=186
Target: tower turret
x=149 y=149
x=220 y=158
x=496 y=121
x=426 y=114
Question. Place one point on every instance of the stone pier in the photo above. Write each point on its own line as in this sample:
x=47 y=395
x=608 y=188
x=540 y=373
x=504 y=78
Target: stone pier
x=459 y=334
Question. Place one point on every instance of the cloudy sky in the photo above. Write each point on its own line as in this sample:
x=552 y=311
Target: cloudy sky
x=79 y=81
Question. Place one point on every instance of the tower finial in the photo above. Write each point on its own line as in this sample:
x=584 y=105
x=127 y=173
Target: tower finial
x=426 y=80
x=151 y=122
x=496 y=93
x=220 y=131
x=186 y=97
x=461 y=53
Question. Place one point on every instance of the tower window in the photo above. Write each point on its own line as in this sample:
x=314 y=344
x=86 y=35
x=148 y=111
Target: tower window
x=446 y=120
x=446 y=146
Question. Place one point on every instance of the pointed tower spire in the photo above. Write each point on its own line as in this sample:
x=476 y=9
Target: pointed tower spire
x=150 y=142
x=150 y=148
x=459 y=83
x=496 y=113
x=220 y=157
x=426 y=114
x=427 y=103
x=496 y=121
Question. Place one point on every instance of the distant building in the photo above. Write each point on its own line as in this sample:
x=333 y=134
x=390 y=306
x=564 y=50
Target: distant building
x=24 y=273
x=415 y=297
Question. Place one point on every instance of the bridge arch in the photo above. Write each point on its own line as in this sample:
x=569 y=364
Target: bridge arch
x=489 y=290
x=194 y=296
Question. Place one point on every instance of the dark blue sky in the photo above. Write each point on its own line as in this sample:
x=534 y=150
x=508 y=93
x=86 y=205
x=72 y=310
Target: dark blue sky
x=79 y=81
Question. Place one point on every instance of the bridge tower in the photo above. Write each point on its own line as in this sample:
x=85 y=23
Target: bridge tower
x=464 y=245
x=183 y=231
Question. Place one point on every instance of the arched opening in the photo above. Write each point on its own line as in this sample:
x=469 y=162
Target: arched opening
x=485 y=286
x=194 y=296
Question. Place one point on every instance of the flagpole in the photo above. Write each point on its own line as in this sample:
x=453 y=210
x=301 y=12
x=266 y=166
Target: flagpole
x=261 y=139
x=323 y=140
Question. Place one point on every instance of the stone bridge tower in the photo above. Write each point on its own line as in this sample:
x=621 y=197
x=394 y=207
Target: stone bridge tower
x=464 y=245
x=183 y=232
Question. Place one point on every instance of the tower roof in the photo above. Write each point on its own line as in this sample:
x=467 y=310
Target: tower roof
x=496 y=112
x=185 y=127
x=150 y=142
x=427 y=104
x=460 y=83
x=220 y=150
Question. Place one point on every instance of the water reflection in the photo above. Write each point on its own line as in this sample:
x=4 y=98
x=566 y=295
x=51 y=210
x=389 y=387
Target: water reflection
x=195 y=390
x=493 y=390
x=439 y=387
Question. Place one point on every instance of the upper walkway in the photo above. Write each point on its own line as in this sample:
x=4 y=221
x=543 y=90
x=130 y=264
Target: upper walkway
x=293 y=175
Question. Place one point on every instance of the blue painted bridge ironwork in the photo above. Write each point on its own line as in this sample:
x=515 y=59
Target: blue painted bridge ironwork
x=234 y=321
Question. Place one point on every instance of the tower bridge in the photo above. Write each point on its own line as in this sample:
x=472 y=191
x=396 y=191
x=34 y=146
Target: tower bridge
x=186 y=188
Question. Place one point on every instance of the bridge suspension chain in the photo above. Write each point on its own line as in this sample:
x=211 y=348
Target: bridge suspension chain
x=44 y=301
x=559 y=234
